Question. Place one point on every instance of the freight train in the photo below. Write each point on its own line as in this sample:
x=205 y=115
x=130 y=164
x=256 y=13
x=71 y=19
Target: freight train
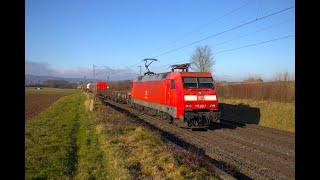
x=99 y=88
x=188 y=99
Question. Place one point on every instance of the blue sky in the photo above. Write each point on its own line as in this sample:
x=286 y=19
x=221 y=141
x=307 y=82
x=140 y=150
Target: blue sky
x=70 y=34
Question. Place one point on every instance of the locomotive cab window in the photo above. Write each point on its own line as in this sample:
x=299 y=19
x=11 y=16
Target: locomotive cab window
x=205 y=82
x=172 y=84
x=202 y=82
x=190 y=82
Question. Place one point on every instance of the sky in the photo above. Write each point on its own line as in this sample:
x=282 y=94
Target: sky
x=69 y=36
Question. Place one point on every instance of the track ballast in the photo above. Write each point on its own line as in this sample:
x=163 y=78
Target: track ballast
x=246 y=150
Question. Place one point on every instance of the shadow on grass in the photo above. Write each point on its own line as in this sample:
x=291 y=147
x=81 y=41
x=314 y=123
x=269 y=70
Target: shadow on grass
x=241 y=113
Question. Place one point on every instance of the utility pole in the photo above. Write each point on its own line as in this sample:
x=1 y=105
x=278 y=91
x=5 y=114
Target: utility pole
x=140 y=69
x=94 y=79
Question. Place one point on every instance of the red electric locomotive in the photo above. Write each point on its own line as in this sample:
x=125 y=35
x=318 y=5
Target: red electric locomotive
x=99 y=87
x=189 y=98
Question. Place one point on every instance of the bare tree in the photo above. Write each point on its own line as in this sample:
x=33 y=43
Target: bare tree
x=284 y=76
x=202 y=60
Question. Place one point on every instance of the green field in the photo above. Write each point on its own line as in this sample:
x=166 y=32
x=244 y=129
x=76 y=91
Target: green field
x=56 y=141
x=67 y=141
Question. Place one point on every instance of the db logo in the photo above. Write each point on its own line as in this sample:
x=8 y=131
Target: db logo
x=200 y=98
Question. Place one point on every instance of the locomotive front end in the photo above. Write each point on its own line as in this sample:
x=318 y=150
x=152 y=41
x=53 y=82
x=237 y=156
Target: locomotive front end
x=200 y=100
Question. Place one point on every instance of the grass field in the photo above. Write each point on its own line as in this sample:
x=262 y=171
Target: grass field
x=38 y=100
x=136 y=152
x=60 y=144
x=46 y=90
x=272 y=114
x=67 y=141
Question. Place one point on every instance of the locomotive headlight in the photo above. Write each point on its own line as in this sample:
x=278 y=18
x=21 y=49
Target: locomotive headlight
x=210 y=97
x=188 y=106
x=212 y=105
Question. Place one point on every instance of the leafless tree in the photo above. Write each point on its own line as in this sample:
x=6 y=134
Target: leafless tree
x=202 y=60
x=284 y=76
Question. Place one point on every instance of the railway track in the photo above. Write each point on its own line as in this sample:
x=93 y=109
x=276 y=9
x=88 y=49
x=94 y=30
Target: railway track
x=248 y=151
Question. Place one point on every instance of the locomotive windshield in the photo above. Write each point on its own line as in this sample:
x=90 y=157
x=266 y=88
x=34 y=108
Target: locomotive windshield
x=205 y=82
x=200 y=82
x=190 y=82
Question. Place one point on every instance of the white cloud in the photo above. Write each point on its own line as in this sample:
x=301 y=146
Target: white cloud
x=44 y=69
x=38 y=68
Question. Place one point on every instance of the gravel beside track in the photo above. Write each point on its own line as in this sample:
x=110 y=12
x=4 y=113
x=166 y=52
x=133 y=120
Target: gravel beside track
x=253 y=151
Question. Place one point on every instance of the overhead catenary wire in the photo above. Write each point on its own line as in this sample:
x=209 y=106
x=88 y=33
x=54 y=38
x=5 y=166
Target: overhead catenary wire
x=254 y=44
x=241 y=47
x=208 y=23
x=202 y=26
x=225 y=31
x=254 y=32
x=217 y=34
x=108 y=71
x=239 y=37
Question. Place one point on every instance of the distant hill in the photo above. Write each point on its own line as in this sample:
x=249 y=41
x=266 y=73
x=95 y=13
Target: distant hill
x=32 y=79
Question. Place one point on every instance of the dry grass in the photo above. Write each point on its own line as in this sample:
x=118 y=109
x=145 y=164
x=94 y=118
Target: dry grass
x=279 y=115
x=67 y=141
x=280 y=91
x=135 y=152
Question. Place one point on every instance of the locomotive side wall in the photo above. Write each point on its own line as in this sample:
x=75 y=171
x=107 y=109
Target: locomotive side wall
x=150 y=91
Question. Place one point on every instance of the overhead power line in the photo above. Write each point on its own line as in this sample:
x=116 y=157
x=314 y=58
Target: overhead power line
x=201 y=26
x=254 y=44
x=209 y=22
x=239 y=37
x=228 y=30
x=254 y=32
x=241 y=47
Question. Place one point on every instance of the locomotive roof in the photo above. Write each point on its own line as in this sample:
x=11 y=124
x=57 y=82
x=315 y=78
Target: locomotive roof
x=161 y=76
x=153 y=77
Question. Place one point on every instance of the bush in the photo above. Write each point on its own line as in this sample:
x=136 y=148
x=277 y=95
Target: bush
x=281 y=91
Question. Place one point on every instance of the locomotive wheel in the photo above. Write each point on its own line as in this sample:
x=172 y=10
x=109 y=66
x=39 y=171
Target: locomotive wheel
x=171 y=120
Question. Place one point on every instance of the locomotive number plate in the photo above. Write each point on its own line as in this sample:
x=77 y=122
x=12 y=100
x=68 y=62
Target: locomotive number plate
x=200 y=98
x=202 y=106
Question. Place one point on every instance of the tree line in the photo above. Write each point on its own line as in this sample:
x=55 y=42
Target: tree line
x=54 y=84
